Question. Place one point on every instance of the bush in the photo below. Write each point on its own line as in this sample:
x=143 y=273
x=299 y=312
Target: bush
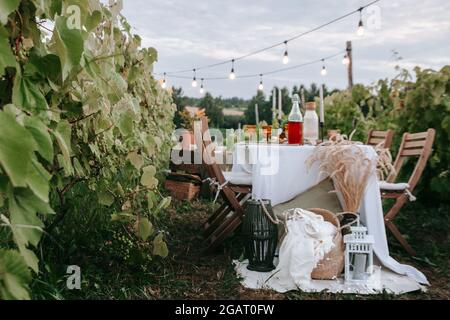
x=78 y=110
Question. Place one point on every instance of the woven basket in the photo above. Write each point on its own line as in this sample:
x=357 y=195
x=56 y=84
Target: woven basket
x=182 y=190
x=332 y=264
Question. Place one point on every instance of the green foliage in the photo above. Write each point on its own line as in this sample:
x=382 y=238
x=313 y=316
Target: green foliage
x=79 y=108
x=427 y=105
x=213 y=110
x=343 y=113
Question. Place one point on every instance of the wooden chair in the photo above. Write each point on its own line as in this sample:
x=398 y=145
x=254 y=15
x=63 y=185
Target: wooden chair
x=232 y=188
x=377 y=137
x=415 y=145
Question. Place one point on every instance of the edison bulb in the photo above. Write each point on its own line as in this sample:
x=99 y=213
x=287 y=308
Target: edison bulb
x=232 y=75
x=324 y=71
x=194 y=83
x=346 y=60
x=261 y=87
x=202 y=91
x=360 y=31
x=286 y=58
x=164 y=84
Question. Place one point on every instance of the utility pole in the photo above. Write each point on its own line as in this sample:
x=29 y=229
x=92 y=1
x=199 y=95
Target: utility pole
x=350 y=64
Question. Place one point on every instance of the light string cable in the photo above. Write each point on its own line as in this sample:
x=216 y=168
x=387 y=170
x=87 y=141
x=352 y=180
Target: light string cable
x=260 y=75
x=284 y=42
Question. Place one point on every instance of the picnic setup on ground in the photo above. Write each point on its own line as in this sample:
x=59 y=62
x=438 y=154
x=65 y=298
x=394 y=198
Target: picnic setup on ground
x=306 y=200
x=309 y=207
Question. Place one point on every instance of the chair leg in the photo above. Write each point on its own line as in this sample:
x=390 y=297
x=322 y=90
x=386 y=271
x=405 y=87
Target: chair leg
x=215 y=220
x=218 y=237
x=392 y=213
x=216 y=214
x=400 y=238
x=210 y=227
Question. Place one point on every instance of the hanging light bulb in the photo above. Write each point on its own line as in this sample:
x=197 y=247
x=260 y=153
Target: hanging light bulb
x=232 y=75
x=194 y=80
x=360 y=31
x=323 y=72
x=261 y=86
x=286 y=55
x=202 y=89
x=164 y=83
x=346 y=60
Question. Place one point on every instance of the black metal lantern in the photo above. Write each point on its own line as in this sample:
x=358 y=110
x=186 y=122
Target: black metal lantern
x=261 y=235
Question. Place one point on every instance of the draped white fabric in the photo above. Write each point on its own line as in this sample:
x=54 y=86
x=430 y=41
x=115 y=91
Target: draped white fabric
x=280 y=173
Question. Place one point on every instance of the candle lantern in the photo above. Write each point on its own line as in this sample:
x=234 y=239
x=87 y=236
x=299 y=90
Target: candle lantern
x=358 y=255
x=261 y=235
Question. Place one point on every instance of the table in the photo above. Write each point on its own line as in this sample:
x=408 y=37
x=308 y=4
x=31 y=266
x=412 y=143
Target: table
x=280 y=173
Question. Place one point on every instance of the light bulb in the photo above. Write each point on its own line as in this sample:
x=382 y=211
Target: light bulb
x=163 y=83
x=261 y=86
x=194 y=83
x=346 y=60
x=360 y=31
x=286 y=58
x=324 y=71
x=286 y=55
x=202 y=90
x=232 y=75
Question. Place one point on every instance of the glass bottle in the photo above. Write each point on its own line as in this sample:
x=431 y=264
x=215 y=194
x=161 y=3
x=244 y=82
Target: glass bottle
x=295 y=124
x=311 y=124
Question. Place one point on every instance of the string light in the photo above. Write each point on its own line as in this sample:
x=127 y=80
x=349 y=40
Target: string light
x=295 y=37
x=232 y=75
x=194 y=80
x=202 y=90
x=255 y=75
x=346 y=60
x=261 y=86
x=164 y=84
x=286 y=55
x=324 y=70
x=360 y=31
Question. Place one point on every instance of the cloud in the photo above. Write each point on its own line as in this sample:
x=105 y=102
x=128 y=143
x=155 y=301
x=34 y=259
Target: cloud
x=193 y=33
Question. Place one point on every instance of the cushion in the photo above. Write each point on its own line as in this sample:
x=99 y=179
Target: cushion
x=238 y=178
x=393 y=186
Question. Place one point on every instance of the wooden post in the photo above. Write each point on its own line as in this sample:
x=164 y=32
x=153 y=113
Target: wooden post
x=350 y=64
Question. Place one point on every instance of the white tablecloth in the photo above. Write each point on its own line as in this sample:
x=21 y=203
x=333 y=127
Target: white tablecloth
x=279 y=173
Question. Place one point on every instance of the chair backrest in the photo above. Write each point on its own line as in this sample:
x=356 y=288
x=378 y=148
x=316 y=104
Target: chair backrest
x=414 y=145
x=207 y=148
x=376 y=137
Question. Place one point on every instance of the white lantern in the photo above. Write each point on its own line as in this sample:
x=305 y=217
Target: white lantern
x=358 y=255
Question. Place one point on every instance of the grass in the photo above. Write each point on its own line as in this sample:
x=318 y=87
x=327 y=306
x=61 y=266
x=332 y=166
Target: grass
x=187 y=274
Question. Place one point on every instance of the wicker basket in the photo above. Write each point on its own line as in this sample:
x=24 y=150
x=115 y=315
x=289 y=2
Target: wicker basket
x=182 y=190
x=332 y=264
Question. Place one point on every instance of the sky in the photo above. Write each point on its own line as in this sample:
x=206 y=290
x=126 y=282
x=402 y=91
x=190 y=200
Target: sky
x=190 y=33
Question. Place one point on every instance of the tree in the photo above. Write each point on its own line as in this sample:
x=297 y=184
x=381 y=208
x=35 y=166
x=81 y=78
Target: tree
x=180 y=101
x=213 y=110
x=264 y=109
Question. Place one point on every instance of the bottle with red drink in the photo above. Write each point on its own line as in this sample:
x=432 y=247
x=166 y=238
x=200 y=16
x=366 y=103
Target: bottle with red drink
x=295 y=124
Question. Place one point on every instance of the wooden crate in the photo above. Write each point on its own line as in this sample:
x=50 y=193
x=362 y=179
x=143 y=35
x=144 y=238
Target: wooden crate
x=182 y=190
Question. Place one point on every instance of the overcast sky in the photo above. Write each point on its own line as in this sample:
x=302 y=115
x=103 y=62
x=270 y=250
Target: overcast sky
x=189 y=33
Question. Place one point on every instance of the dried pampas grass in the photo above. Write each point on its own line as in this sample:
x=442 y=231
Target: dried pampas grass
x=345 y=162
x=385 y=169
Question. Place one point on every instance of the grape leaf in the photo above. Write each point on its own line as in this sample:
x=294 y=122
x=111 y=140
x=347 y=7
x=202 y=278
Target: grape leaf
x=16 y=149
x=15 y=276
x=6 y=7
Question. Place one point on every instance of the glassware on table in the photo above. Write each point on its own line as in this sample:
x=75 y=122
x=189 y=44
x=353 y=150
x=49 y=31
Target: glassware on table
x=295 y=124
x=311 y=124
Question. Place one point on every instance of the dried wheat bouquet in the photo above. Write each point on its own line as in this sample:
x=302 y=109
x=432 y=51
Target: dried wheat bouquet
x=346 y=163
